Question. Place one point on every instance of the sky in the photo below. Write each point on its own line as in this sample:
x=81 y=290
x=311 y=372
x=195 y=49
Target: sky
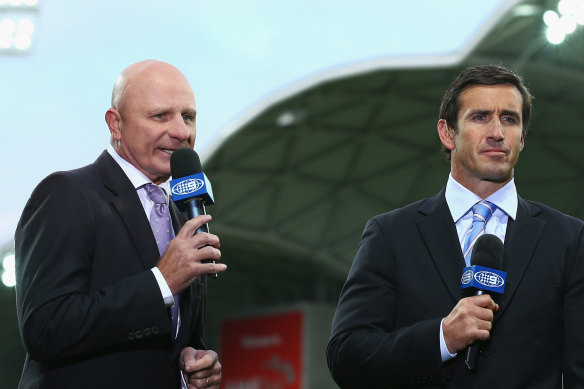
x=236 y=54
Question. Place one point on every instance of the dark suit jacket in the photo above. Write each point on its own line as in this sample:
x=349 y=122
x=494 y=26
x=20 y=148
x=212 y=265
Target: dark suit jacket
x=405 y=278
x=90 y=311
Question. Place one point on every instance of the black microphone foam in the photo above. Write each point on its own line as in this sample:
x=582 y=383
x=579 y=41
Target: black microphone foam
x=488 y=252
x=184 y=162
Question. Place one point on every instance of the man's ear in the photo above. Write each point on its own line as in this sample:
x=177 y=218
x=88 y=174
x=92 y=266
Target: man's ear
x=446 y=134
x=113 y=120
x=522 y=143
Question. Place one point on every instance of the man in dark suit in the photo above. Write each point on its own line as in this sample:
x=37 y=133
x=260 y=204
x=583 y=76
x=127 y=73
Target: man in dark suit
x=402 y=320
x=94 y=293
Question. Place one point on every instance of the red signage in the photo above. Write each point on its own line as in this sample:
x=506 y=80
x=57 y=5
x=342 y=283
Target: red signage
x=263 y=352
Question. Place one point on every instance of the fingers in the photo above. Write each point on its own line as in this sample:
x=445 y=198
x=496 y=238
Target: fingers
x=189 y=228
x=187 y=355
x=469 y=321
x=480 y=307
x=203 y=239
x=484 y=301
x=203 y=359
x=184 y=258
x=211 y=381
x=201 y=367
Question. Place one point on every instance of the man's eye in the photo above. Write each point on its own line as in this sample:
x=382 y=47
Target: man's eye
x=188 y=118
x=480 y=117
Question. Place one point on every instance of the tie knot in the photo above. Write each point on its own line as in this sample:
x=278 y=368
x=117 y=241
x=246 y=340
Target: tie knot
x=483 y=210
x=155 y=193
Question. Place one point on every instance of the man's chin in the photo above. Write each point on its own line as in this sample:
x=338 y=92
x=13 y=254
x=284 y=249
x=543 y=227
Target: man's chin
x=162 y=170
x=499 y=178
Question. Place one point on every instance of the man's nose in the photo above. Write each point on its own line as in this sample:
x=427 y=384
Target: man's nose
x=179 y=129
x=496 y=130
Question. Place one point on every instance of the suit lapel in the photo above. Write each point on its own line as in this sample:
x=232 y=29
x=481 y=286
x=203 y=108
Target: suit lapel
x=521 y=239
x=438 y=232
x=127 y=204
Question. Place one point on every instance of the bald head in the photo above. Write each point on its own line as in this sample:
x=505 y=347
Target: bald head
x=141 y=72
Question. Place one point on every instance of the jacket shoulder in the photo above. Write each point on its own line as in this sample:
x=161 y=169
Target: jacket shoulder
x=550 y=214
x=408 y=212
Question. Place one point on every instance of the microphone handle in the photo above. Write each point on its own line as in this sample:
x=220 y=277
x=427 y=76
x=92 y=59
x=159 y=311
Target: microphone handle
x=196 y=207
x=471 y=354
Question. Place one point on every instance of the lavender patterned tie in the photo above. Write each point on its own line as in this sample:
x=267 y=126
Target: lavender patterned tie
x=162 y=229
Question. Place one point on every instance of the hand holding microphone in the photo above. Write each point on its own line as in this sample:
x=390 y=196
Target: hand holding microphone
x=471 y=320
x=194 y=250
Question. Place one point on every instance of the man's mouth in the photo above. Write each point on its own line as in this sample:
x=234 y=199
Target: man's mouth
x=495 y=151
x=171 y=149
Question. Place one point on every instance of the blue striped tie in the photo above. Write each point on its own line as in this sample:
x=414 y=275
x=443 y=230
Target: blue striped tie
x=482 y=212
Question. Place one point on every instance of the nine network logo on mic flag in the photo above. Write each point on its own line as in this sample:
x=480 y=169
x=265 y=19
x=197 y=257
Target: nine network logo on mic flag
x=483 y=278
x=193 y=186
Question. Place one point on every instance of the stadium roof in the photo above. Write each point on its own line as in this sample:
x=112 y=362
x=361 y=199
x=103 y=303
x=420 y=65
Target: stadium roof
x=296 y=179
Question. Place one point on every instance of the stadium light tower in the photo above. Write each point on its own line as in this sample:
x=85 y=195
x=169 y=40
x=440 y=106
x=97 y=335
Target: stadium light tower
x=17 y=25
x=560 y=24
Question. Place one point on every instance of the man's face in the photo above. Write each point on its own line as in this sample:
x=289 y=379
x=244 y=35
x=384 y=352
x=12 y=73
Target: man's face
x=156 y=117
x=489 y=136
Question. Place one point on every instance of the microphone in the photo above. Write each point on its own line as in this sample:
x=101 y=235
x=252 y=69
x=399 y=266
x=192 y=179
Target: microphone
x=190 y=189
x=484 y=275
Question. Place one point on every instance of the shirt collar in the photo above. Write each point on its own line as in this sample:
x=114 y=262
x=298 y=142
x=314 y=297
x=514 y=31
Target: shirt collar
x=460 y=200
x=135 y=176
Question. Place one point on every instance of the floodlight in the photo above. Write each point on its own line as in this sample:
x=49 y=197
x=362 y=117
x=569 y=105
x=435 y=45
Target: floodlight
x=8 y=273
x=572 y=14
x=19 y=3
x=572 y=8
x=579 y=15
x=555 y=35
x=550 y=18
x=7 y=28
x=568 y=24
x=568 y=7
x=17 y=25
x=290 y=117
x=9 y=279
x=16 y=34
x=8 y=262
x=22 y=42
x=285 y=119
x=6 y=41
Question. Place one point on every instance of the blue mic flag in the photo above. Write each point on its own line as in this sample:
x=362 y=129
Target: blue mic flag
x=483 y=278
x=190 y=187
